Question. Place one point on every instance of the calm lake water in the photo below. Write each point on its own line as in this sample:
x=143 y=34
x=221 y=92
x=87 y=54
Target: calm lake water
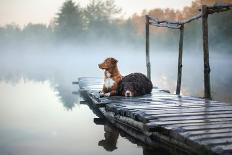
x=39 y=114
x=35 y=120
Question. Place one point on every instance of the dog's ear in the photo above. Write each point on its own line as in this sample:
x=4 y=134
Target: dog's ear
x=113 y=60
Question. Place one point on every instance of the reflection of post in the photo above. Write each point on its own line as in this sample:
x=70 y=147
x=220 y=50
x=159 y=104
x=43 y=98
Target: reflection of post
x=206 y=52
x=178 y=87
x=111 y=138
x=148 y=64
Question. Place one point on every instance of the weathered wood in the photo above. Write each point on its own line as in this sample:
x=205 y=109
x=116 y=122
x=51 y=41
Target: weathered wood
x=165 y=25
x=188 y=128
x=212 y=136
x=225 y=141
x=179 y=74
x=216 y=8
x=186 y=114
x=75 y=82
x=205 y=132
x=187 y=122
x=219 y=7
x=206 y=52
x=198 y=117
x=134 y=135
x=223 y=149
x=191 y=123
x=192 y=19
x=180 y=25
x=148 y=64
x=99 y=121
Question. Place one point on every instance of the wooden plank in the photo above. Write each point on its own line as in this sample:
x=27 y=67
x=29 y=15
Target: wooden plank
x=183 y=122
x=75 y=82
x=188 y=126
x=157 y=111
x=149 y=114
x=158 y=106
x=99 y=121
x=149 y=118
x=203 y=127
x=148 y=64
x=205 y=132
x=186 y=114
x=211 y=136
x=163 y=102
x=179 y=74
x=223 y=149
x=220 y=141
x=206 y=52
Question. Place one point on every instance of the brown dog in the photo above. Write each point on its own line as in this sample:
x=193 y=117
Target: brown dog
x=112 y=76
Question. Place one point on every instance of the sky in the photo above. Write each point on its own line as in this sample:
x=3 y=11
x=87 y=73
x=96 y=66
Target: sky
x=22 y=12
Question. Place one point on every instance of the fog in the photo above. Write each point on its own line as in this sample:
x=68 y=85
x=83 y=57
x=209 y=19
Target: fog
x=62 y=54
x=62 y=65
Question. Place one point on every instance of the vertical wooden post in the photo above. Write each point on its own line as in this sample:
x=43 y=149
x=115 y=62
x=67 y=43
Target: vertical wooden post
x=148 y=64
x=178 y=86
x=206 y=52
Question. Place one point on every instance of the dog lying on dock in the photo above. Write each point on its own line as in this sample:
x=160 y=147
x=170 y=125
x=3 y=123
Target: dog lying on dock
x=135 y=84
x=112 y=76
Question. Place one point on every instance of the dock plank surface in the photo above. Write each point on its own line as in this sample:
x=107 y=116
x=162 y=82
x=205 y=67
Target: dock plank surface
x=194 y=122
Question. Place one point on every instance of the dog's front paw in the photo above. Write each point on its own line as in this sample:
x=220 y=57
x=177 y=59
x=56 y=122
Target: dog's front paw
x=107 y=94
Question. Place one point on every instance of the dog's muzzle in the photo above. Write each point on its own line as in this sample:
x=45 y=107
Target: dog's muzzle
x=128 y=93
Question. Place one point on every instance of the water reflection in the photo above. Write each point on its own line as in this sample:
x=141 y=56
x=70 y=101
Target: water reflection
x=68 y=99
x=112 y=134
x=111 y=137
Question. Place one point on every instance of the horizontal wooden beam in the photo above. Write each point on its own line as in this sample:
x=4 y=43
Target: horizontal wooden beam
x=216 y=8
x=166 y=25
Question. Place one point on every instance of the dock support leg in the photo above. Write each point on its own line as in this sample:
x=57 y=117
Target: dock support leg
x=178 y=86
x=207 y=92
x=148 y=64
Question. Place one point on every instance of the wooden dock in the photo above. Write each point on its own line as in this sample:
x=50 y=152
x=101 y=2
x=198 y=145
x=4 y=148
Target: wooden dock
x=194 y=125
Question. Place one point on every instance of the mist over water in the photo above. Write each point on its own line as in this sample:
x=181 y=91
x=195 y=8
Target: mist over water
x=40 y=112
x=63 y=64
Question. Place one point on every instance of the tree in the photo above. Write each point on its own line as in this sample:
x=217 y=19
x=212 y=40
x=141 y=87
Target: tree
x=69 y=23
x=37 y=32
x=98 y=16
x=10 y=34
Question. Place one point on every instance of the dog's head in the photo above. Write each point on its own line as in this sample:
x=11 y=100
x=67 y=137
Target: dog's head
x=108 y=63
x=129 y=89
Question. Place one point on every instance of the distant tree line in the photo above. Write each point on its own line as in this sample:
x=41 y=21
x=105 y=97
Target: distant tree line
x=98 y=22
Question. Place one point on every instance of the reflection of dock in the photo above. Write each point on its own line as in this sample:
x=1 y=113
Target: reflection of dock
x=192 y=124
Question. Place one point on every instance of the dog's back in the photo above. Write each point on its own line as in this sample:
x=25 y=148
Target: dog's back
x=140 y=79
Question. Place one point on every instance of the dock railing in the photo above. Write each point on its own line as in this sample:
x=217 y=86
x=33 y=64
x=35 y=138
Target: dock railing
x=204 y=12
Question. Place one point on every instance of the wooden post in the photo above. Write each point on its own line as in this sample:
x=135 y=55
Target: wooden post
x=148 y=64
x=206 y=52
x=178 y=86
